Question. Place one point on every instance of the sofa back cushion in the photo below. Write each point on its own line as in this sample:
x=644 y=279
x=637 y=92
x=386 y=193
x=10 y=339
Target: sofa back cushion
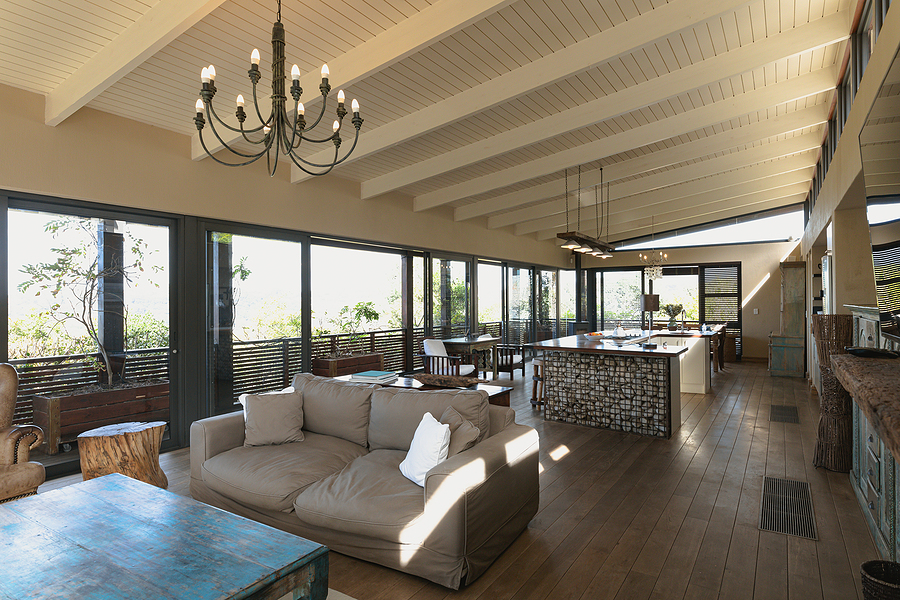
x=338 y=408
x=397 y=412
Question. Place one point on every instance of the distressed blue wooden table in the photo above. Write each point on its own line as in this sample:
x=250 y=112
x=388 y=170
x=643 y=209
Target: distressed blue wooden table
x=116 y=537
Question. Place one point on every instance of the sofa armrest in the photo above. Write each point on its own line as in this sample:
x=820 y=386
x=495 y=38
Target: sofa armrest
x=213 y=436
x=474 y=493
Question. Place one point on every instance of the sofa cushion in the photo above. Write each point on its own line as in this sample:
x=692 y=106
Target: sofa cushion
x=270 y=477
x=396 y=413
x=369 y=497
x=338 y=408
x=272 y=418
x=463 y=434
x=429 y=447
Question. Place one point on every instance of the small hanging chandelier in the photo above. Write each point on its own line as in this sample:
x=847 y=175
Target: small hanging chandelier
x=575 y=240
x=279 y=132
x=653 y=259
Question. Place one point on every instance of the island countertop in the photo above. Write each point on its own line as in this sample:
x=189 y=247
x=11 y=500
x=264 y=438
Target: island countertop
x=874 y=384
x=578 y=343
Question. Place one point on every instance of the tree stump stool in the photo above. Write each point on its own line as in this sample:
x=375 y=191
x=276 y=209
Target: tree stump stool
x=537 y=388
x=131 y=449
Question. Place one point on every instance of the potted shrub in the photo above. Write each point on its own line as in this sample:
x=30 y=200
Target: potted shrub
x=344 y=360
x=76 y=280
x=672 y=311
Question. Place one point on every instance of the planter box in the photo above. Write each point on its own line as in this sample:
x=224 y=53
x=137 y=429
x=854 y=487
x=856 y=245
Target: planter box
x=63 y=417
x=347 y=365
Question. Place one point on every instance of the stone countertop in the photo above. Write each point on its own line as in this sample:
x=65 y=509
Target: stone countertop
x=578 y=343
x=874 y=384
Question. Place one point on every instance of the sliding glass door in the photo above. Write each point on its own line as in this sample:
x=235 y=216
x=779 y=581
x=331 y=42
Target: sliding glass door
x=450 y=297
x=254 y=324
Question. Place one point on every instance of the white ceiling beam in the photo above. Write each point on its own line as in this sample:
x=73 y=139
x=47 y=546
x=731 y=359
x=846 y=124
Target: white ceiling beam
x=820 y=33
x=885 y=108
x=428 y=26
x=718 y=187
x=647 y=28
x=879 y=152
x=151 y=32
x=673 y=177
x=817 y=82
x=732 y=138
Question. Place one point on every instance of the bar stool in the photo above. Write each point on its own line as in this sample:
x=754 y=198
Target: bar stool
x=537 y=377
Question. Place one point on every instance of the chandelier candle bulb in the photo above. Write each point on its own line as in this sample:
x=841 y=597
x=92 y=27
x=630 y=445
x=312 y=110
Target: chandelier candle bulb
x=355 y=106
x=240 y=101
x=325 y=72
x=204 y=75
x=199 y=107
x=336 y=126
x=295 y=73
x=300 y=109
x=212 y=73
x=340 y=96
x=254 y=58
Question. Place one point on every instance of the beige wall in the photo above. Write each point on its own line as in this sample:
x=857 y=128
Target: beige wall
x=760 y=283
x=103 y=158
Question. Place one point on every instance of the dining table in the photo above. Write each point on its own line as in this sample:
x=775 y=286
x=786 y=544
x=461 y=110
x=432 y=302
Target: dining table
x=468 y=345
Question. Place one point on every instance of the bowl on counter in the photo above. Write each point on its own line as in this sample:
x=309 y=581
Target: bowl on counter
x=594 y=336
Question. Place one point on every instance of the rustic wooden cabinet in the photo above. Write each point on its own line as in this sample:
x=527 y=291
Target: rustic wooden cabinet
x=787 y=350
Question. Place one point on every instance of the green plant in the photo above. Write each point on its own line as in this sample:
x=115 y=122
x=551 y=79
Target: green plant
x=672 y=311
x=74 y=280
x=352 y=320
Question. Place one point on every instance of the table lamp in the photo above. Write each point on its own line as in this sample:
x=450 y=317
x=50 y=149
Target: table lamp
x=649 y=303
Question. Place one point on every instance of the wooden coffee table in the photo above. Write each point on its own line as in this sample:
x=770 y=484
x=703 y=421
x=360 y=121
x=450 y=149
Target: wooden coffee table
x=116 y=537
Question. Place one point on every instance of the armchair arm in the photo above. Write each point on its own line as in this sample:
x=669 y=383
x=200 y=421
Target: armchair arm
x=17 y=441
x=213 y=436
x=441 y=365
x=474 y=493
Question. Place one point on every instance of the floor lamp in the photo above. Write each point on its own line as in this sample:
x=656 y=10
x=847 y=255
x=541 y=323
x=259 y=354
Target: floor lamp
x=649 y=303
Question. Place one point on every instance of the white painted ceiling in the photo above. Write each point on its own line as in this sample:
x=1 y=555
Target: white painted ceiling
x=697 y=111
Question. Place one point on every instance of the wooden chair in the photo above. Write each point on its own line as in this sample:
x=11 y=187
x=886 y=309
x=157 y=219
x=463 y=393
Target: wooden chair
x=437 y=361
x=18 y=477
x=509 y=358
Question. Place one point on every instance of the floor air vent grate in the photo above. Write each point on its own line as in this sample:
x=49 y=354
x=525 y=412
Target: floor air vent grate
x=784 y=414
x=786 y=507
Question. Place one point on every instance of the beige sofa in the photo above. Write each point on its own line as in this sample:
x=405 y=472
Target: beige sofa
x=341 y=486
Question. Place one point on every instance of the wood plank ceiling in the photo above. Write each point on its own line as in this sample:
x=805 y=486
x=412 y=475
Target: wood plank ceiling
x=697 y=111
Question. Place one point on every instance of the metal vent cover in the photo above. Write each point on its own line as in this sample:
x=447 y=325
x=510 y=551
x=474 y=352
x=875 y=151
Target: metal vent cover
x=783 y=413
x=786 y=507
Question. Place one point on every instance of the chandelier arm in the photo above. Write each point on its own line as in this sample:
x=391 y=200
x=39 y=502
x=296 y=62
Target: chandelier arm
x=259 y=114
x=321 y=114
x=255 y=157
x=232 y=150
x=297 y=160
x=211 y=110
x=337 y=162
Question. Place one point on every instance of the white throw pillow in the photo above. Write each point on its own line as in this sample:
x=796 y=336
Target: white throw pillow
x=434 y=348
x=429 y=447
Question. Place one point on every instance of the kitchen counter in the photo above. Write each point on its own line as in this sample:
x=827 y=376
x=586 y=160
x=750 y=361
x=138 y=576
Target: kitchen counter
x=874 y=384
x=613 y=384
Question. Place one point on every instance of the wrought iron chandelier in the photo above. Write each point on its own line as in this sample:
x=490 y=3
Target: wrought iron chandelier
x=653 y=259
x=279 y=132
x=579 y=242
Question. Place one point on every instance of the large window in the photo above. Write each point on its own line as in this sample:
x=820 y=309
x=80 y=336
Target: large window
x=88 y=311
x=254 y=315
x=450 y=297
x=520 y=298
x=568 y=300
x=490 y=298
x=546 y=325
x=678 y=286
x=619 y=299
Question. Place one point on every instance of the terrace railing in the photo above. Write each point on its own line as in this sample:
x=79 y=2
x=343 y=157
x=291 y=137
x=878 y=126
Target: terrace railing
x=53 y=374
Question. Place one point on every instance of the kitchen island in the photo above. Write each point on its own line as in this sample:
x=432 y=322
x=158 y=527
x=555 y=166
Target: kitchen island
x=613 y=384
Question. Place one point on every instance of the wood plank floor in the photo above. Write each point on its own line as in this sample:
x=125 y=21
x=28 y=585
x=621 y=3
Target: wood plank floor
x=626 y=517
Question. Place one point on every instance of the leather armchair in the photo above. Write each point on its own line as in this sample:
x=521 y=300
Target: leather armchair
x=18 y=476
